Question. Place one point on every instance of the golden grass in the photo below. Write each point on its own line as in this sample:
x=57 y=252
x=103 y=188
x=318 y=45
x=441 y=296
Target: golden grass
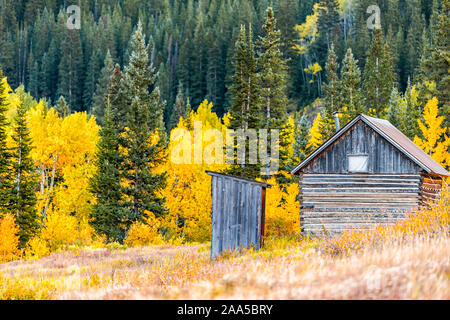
x=418 y=269
x=409 y=260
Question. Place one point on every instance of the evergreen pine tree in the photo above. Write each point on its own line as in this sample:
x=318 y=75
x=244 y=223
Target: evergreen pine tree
x=91 y=79
x=117 y=99
x=108 y=216
x=394 y=109
x=244 y=110
x=70 y=69
x=179 y=109
x=144 y=121
x=414 y=42
x=331 y=91
x=351 y=98
x=378 y=76
x=272 y=82
x=301 y=148
x=101 y=90
x=413 y=112
x=23 y=193
x=435 y=65
x=327 y=22
x=62 y=108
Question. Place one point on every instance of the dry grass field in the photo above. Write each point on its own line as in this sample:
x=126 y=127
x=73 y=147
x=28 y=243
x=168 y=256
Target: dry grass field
x=408 y=260
x=418 y=269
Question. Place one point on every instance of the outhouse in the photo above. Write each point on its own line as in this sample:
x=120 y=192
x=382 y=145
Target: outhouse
x=238 y=212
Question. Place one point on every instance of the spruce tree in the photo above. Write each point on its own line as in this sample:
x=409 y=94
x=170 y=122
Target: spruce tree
x=327 y=22
x=70 y=69
x=5 y=152
x=378 y=76
x=331 y=91
x=117 y=99
x=301 y=148
x=91 y=79
x=414 y=42
x=245 y=110
x=25 y=179
x=62 y=108
x=272 y=82
x=413 y=112
x=350 y=89
x=108 y=215
x=101 y=90
x=435 y=65
x=144 y=121
x=394 y=109
x=179 y=108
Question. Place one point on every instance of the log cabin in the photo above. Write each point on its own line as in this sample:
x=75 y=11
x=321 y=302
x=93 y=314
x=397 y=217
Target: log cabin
x=367 y=173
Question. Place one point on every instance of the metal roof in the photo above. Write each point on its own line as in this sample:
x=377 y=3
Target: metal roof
x=393 y=136
x=263 y=184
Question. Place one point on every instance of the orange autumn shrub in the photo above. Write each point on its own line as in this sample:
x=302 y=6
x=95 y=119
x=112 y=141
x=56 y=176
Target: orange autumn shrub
x=60 y=230
x=144 y=233
x=36 y=249
x=427 y=221
x=9 y=239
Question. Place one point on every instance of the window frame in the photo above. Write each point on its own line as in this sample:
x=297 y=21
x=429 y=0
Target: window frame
x=358 y=155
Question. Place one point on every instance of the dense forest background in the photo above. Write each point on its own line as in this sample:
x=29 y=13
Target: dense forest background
x=191 y=43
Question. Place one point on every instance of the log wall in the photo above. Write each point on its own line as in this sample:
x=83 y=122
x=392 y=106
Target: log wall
x=338 y=202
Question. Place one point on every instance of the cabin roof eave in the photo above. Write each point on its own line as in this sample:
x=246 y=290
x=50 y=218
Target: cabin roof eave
x=367 y=121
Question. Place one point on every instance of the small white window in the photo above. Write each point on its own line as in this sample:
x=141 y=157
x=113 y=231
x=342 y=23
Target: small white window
x=358 y=163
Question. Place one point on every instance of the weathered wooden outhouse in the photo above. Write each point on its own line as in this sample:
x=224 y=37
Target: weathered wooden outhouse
x=238 y=210
x=367 y=172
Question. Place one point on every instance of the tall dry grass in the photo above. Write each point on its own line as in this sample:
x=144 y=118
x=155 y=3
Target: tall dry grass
x=409 y=260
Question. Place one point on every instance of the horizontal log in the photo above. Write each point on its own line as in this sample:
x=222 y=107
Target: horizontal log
x=357 y=209
x=431 y=185
x=429 y=180
x=307 y=200
x=359 y=180
x=356 y=184
x=375 y=175
x=360 y=190
x=326 y=222
x=359 y=195
x=330 y=226
x=350 y=214
x=360 y=205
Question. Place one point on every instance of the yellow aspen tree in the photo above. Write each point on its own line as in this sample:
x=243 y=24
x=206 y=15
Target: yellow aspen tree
x=9 y=239
x=315 y=135
x=282 y=210
x=435 y=141
x=63 y=151
x=188 y=190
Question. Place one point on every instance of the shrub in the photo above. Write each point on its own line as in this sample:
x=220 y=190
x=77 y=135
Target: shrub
x=36 y=249
x=144 y=233
x=60 y=230
x=282 y=211
x=428 y=221
x=9 y=239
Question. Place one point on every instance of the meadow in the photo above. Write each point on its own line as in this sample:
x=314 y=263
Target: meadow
x=408 y=260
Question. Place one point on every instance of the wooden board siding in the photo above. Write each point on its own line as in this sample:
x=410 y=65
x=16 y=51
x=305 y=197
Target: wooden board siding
x=236 y=214
x=361 y=139
x=339 y=202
